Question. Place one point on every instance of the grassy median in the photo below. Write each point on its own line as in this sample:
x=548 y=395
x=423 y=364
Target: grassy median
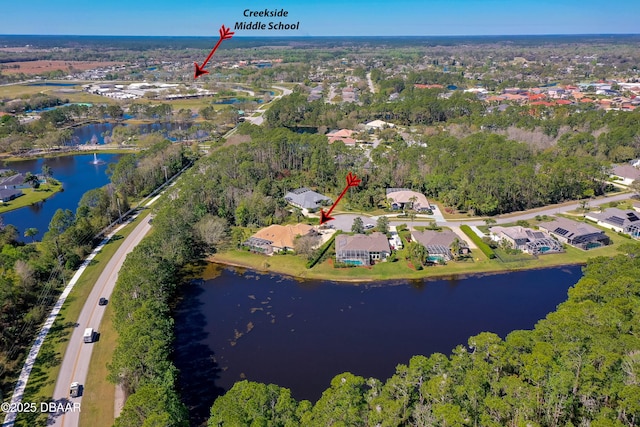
x=45 y=371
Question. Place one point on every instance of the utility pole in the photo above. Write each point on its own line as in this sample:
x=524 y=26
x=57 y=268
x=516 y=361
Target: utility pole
x=164 y=168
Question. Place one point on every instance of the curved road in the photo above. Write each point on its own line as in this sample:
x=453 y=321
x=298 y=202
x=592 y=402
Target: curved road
x=75 y=364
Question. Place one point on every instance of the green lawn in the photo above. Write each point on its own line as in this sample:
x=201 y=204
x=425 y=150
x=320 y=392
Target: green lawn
x=292 y=265
x=31 y=196
x=45 y=371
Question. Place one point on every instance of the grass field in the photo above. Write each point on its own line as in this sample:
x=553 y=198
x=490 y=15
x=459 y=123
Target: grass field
x=31 y=196
x=45 y=371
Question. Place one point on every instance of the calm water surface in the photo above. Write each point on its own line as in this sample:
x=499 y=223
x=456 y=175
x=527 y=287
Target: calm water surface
x=300 y=334
x=77 y=174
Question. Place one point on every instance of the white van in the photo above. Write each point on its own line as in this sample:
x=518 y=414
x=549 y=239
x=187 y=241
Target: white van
x=88 y=335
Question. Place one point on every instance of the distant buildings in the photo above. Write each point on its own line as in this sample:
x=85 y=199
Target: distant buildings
x=378 y=124
x=361 y=249
x=342 y=135
x=307 y=199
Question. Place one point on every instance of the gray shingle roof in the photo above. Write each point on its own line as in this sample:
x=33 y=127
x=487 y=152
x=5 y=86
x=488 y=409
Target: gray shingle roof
x=306 y=198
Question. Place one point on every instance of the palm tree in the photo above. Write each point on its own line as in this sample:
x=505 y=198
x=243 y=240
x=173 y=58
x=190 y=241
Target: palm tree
x=31 y=232
x=46 y=171
x=455 y=248
x=298 y=213
x=413 y=200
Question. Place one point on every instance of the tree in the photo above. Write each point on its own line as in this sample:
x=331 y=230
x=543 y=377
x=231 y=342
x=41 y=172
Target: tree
x=358 y=226
x=305 y=245
x=455 y=248
x=31 y=232
x=212 y=230
x=382 y=224
x=32 y=180
x=46 y=171
x=61 y=220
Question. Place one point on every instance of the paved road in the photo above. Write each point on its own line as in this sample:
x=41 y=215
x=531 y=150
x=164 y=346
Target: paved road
x=75 y=364
x=370 y=83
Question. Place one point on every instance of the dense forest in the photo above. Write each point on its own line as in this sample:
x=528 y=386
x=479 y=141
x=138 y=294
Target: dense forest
x=579 y=366
x=33 y=274
x=485 y=173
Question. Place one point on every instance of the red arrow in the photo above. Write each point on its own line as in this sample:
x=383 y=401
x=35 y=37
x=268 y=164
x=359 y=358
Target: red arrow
x=352 y=181
x=225 y=33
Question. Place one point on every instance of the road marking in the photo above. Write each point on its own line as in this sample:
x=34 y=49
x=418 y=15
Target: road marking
x=114 y=272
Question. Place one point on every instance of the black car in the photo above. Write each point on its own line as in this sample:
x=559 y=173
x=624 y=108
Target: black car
x=103 y=301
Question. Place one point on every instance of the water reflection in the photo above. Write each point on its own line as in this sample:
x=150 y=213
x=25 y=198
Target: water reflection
x=77 y=174
x=273 y=329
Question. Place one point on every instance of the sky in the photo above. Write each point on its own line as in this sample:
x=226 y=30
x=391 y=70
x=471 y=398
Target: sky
x=322 y=18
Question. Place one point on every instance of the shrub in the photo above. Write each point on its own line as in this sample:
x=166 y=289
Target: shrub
x=478 y=241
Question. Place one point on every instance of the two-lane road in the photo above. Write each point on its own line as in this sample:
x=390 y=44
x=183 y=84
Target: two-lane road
x=75 y=364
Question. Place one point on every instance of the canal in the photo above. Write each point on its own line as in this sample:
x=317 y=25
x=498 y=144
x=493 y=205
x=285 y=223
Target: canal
x=300 y=334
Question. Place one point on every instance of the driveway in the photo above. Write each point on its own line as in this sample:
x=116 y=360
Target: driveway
x=345 y=221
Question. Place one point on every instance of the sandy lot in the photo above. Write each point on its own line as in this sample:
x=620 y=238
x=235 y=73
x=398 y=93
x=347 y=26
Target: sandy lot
x=44 y=66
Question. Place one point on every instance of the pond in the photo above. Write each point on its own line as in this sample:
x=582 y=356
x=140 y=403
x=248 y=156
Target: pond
x=95 y=133
x=78 y=175
x=300 y=334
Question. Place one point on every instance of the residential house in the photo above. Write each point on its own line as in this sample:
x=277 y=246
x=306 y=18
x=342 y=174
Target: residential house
x=626 y=174
x=378 y=124
x=362 y=249
x=306 y=199
x=277 y=238
x=615 y=219
x=438 y=244
x=14 y=182
x=342 y=135
x=403 y=198
x=8 y=195
x=578 y=234
x=534 y=242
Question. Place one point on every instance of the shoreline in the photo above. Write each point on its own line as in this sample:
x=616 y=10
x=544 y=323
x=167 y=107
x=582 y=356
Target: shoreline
x=226 y=263
x=32 y=197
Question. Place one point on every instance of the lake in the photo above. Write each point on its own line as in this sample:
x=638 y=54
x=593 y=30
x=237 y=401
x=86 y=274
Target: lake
x=300 y=334
x=95 y=133
x=77 y=174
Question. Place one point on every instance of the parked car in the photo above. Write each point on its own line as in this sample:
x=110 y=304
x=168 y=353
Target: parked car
x=368 y=226
x=103 y=301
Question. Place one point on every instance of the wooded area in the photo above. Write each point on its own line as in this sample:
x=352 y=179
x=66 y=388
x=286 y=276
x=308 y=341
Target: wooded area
x=33 y=274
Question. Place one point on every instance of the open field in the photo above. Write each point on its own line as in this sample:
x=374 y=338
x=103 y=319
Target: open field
x=45 y=66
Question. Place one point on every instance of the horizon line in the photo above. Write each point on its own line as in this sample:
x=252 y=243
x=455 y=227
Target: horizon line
x=335 y=36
